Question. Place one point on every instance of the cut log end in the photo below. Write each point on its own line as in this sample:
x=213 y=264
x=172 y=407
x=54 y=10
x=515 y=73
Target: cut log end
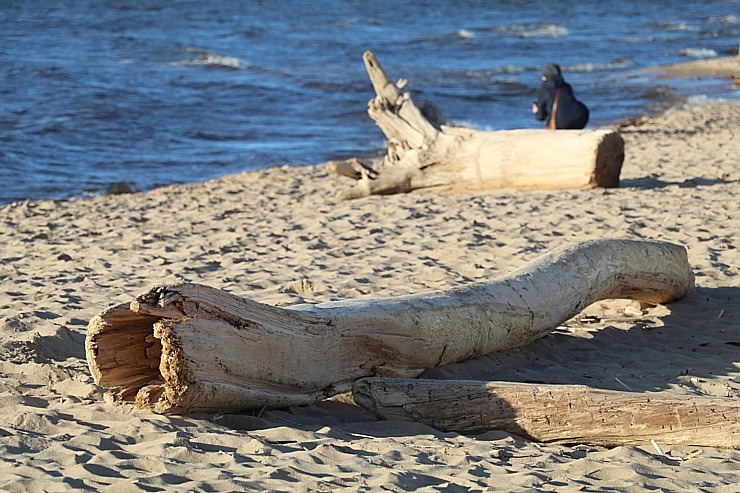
x=123 y=354
x=609 y=159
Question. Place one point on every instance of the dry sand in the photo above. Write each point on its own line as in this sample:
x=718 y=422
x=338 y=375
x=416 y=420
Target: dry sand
x=724 y=67
x=279 y=236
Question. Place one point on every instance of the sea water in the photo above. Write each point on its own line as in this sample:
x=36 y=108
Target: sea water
x=103 y=95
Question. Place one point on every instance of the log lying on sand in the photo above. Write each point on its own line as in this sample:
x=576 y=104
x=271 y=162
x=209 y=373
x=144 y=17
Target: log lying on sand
x=188 y=347
x=555 y=413
x=423 y=152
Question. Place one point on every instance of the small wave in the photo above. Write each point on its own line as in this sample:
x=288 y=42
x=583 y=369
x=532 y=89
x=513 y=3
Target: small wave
x=677 y=26
x=729 y=20
x=701 y=100
x=452 y=38
x=345 y=22
x=640 y=39
x=535 y=31
x=351 y=21
x=491 y=72
x=470 y=124
x=593 y=67
x=202 y=58
x=698 y=53
x=217 y=137
x=692 y=102
x=112 y=188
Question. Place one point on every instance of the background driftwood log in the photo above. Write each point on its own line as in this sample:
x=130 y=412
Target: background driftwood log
x=423 y=152
x=555 y=413
x=188 y=347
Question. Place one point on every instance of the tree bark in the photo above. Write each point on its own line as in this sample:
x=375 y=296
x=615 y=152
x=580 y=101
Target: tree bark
x=555 y=413
x=423 y=152
x=188 y=347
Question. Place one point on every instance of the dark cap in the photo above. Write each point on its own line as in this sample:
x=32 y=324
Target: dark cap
x=551 y=71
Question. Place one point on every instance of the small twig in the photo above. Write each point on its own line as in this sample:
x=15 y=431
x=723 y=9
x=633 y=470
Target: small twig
x=259 y=414
x=623 y=384
x=657 y=447
x=693 y=454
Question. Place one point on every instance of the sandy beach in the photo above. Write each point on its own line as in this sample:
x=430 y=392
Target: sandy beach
x=279 y=236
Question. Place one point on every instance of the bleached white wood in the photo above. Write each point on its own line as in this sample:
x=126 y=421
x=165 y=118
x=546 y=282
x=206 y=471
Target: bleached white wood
x=426 y=153
x=556 y=413
x=189 y=347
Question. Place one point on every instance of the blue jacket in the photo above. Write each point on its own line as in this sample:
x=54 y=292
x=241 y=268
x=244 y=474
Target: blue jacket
x=571 y=113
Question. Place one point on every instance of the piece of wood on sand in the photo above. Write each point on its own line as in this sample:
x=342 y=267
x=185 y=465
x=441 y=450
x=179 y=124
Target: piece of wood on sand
x=423 y=152
x=555 y=413
x=188 y=347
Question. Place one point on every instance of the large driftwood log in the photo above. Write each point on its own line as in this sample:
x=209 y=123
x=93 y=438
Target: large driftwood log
x=424 y=153
x=555 y=413
x=188 y=347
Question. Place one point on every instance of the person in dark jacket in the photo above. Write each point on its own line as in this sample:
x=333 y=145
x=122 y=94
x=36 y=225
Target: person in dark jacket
x=556 y=96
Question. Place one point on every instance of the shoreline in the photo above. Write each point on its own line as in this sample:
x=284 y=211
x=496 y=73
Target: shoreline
x=694 y=72
x=279 y=236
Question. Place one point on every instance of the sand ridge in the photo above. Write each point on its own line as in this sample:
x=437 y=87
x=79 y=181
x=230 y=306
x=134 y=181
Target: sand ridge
x=279 y=236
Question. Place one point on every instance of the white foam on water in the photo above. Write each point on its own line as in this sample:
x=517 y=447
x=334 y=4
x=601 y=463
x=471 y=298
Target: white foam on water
x=592 y=67
x=678 y=26
x=535 y=31
x=698 y=53
x=701 y=99
x=730 y=20
x=210 y=59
